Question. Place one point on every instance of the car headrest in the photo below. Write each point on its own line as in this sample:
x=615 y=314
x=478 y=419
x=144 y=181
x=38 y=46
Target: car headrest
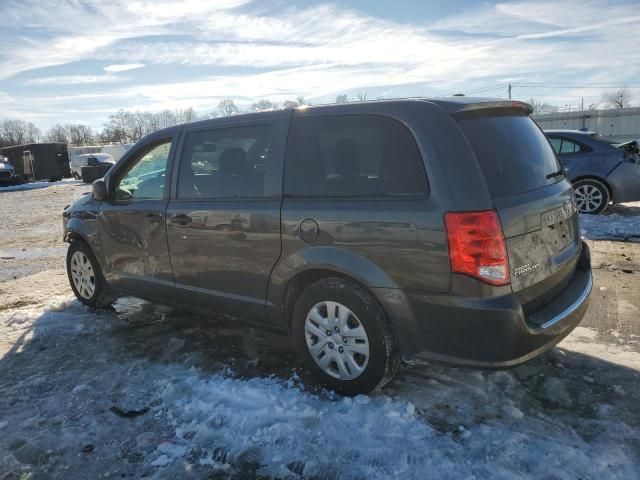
x=233 y=161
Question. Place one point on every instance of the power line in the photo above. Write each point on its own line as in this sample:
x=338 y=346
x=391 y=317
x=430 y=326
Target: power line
x=484 y=89
x=522 y=85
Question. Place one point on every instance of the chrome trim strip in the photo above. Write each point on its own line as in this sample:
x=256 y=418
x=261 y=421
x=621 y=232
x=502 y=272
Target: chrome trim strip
x=574 y=306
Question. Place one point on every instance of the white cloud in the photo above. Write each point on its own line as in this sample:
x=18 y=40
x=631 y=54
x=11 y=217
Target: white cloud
x=123 y=67
x=316 y=51
x=75 y=80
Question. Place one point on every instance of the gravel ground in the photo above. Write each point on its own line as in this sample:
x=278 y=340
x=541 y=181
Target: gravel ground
x=31 y=227
x=146 y=391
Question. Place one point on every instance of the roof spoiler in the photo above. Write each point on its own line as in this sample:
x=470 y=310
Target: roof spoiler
x=479 y=107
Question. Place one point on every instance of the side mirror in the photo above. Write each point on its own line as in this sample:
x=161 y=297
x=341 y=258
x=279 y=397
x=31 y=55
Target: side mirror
x=99 y=190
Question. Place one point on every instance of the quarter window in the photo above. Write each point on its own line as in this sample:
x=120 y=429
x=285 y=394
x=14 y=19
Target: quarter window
x=146 y=177
x=564 y=146
x=225 y=163
x=352 y=156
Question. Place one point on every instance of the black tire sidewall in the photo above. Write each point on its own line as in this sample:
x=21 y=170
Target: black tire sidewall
x=602 y=188
x=382 y=355
x=100 y=283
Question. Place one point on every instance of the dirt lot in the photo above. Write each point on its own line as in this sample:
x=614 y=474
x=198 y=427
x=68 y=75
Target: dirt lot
x=149 y=392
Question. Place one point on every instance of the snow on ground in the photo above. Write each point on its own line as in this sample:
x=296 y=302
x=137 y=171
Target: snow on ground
x=620 y=222
x=35 y=185
x=150 y=392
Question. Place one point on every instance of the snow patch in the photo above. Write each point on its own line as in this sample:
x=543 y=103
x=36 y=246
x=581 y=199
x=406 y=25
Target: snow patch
x=35 y=185
x=610 y=227
x=512 y=411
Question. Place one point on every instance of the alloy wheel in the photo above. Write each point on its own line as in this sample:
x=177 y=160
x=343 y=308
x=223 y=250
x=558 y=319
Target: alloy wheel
x=588 y=198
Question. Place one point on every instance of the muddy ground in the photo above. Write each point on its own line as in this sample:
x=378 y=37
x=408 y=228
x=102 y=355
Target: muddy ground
x=150 y=392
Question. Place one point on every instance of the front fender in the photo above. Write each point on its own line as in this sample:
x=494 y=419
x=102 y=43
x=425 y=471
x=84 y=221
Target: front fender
x=83 y=225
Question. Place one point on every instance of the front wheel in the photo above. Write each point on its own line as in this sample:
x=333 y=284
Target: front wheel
x=86 y=278
x=592 y=196
x=343 y=337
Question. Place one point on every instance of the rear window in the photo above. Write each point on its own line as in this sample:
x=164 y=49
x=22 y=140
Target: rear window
x=513 y=153
x=352 y=156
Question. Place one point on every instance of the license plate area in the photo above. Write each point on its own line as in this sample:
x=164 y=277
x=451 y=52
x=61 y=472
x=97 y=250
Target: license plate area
x=558 y=224
x=560 y=234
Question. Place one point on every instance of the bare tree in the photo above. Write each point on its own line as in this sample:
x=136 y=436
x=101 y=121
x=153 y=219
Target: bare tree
x=542 y=107
x=17 y=132
x=117 y=126
x=33 y=133
x=342 y=98
x=57 y=133
x=301 y=100
x=620 y=98
x=186 y=115
x=79 y=134
x=262 y=105
x=361 y=95
x=227 y=107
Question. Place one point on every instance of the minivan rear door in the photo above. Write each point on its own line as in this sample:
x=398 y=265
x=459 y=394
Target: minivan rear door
x=535 y=202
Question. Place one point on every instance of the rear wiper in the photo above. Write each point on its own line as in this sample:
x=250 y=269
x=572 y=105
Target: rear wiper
x=556 y=174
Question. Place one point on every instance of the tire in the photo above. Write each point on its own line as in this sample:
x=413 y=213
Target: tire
x=592 y=196
x=344 y=369
x=85 y=277
x=76 y=176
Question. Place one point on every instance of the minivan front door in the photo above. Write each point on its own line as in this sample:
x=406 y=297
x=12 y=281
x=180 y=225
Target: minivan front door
x=132 y=224
x=223 y=226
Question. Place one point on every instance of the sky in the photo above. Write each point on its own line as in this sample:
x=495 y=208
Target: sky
x=78 y=61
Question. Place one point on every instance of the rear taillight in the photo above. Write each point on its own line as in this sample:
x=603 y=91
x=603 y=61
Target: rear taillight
x=477 y=247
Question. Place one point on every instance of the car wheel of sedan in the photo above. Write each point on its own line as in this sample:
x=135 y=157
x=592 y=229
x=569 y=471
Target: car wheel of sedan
x=592 y=196
x=86 y=278
x=343 y=337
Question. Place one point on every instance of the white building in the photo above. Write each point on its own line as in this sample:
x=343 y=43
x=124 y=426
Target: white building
x=620 y=124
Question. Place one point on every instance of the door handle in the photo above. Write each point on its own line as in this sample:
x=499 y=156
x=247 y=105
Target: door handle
x=180 y=219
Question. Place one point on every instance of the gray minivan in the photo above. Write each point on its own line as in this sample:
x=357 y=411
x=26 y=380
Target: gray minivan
x=438 y=229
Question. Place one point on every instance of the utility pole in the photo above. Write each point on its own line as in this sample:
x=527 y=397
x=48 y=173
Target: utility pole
x=509 y=90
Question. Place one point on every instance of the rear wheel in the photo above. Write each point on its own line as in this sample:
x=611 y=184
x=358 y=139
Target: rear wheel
x=592 y=196
x=343 y=337
x=86 y=278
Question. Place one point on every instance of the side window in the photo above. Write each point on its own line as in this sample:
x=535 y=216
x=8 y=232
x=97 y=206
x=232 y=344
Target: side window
x=352 y=156
x=145 y=177
x=564 y=146
x=569 y=147
x=225 y=163
x=556 y=143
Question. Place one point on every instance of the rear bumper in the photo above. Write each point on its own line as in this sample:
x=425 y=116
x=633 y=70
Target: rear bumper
x=624 y=181
x=488 y=332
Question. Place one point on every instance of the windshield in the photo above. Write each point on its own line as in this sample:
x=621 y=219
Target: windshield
x=514 y=154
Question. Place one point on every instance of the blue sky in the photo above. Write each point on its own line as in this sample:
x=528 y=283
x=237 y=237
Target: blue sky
x=80 y=60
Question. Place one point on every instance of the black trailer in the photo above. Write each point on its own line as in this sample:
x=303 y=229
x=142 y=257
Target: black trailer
x=39 y=161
